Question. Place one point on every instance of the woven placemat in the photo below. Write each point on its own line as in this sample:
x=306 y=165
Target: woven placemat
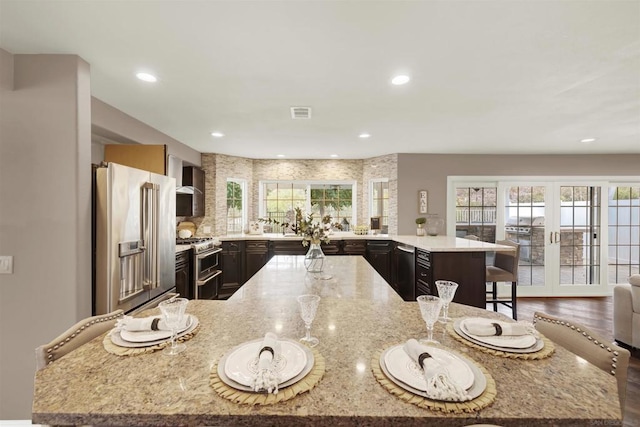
x=546 y=351
x=287 y=393
x=136 y=351
x=487 y=397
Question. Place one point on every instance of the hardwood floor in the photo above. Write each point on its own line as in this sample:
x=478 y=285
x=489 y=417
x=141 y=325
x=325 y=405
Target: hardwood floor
x=597 y=314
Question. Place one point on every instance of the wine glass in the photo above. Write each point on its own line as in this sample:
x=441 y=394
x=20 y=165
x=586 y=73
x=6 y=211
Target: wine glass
x=430 y=309
x=446 y=291
x=173 y=312
x=308 y=307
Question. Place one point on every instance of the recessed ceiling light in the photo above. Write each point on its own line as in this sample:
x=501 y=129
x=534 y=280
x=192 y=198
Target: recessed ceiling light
x=280 y=155
x=334 y=155
x=364 y=135
x=146 y=77
x=400 y=80
x=217 y=134
x=587 y=140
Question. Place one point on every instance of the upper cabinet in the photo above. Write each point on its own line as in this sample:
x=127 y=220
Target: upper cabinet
x=150 y=158
x=192 y=203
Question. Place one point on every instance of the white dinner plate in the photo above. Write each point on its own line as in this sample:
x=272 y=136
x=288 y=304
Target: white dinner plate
x=228 y=381
x=242 y=362
x=117 y=339
x=146 y=336
x=405 y=369
x=478 y=387
x=537 y=346
x=502 y=341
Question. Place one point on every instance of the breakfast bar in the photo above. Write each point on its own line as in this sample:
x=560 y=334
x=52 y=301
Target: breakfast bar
x=359 y=316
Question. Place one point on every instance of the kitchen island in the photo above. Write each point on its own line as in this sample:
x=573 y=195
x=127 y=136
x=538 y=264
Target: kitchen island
x=396 y=258
x=358 y=317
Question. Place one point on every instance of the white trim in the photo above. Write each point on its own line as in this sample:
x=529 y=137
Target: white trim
x=309 y=183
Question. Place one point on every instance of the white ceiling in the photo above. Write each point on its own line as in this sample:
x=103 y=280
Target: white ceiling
x=487 y=76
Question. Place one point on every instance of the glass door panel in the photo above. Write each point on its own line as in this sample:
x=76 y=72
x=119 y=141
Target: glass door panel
x=579 y=235
x=623 y=255
x=524 y=223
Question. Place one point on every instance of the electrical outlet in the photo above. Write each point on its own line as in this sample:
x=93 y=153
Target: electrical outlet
x=6 y=264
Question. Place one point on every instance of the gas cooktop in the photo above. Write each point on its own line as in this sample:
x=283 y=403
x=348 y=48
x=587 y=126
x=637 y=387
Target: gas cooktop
x=191 y=240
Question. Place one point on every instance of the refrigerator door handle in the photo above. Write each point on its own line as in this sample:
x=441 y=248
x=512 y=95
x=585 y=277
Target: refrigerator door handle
x=149 y=224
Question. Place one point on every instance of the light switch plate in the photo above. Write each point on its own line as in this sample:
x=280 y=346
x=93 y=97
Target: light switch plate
x=6 y=264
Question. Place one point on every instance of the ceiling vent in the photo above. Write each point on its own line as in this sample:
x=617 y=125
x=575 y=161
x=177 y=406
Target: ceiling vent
x=300 y=112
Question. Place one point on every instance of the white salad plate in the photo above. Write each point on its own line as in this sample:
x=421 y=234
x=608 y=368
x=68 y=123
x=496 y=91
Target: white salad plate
x=512 y=344
x=117 y=339
x=146 y=336
x=237 y=367
x=404 y=373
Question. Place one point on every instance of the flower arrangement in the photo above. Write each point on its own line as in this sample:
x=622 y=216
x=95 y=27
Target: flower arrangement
x=311 y=231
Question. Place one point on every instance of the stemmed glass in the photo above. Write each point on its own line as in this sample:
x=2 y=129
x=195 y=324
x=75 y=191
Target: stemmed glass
x=173 y=312
x=446 y=291
x=430 y=309
x=308 y=307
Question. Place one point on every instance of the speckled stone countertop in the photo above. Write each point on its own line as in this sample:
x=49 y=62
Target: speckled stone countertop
x=357 y=317
x=428 y=243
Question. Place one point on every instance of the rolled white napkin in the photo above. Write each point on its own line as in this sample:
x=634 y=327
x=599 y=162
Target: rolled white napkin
x=266 y=377
x=153 y=323
x=489 y=327
x=439 y=384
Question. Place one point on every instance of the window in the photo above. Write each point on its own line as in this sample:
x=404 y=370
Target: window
x=379 y=196
x=476 y=212
x=624 y=232
x=235 y=205
x=280 y=198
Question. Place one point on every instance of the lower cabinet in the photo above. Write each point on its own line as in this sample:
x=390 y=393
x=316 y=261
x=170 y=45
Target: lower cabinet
x=380 y=254
x=242 y=259
x=256 y=256
x=287 y=247
x=403 y=277
x=354 y=247
x=232 y=265
x=183 y=274
x=467 y=269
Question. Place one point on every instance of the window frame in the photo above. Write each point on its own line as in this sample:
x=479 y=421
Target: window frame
x=243 y=211
x=262 y=211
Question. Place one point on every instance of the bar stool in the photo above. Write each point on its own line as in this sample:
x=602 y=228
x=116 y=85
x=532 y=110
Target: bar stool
x=504 y=269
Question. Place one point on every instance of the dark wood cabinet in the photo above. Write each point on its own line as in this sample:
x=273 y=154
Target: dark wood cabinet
x=354 y=247
x=331 y=248
x=379 y=254
x=256 y=256
x=232 y=265
x=288 y=247
x=403 y=274
x=183 y=274
x=191 y=204
x=467 y=269
x=423 y=273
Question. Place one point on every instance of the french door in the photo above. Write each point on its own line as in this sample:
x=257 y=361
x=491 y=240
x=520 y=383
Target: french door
x=559 y=228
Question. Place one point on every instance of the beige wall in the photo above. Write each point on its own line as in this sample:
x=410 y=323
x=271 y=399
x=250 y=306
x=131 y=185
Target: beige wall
x=430 y=171
x=110 y=124
x=45 y=212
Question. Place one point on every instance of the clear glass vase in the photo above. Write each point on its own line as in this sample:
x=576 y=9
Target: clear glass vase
x=314 y=259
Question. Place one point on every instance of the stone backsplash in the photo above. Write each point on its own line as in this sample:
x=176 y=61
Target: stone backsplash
x=218 y=168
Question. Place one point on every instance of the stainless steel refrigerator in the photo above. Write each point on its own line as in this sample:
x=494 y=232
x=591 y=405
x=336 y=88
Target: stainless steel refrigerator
x=134 y=238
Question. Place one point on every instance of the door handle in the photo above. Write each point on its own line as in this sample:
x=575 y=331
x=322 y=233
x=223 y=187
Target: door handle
x=557 y=235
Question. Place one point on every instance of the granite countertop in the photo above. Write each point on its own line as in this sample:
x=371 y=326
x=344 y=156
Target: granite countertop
x=357 y=317
x=428 y=243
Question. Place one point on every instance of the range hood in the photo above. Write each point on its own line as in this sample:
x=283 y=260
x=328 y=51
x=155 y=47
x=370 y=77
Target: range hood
x=174 y=169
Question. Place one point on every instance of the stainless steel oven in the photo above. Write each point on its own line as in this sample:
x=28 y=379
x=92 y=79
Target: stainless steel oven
x=205 y=268
x=206 y=272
